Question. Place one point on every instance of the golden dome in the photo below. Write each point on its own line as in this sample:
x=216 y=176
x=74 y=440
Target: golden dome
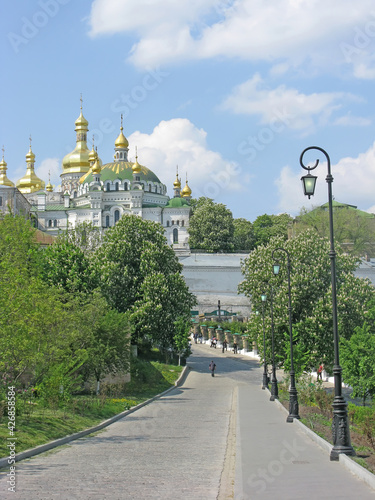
x=4 y=181
x=96 y=168
x=92 y=155
x=121 y=141
x=78 y=160
x=49 y=187
x=30 y=182
x=186 y=192
x=136 y=166
x=177 y=183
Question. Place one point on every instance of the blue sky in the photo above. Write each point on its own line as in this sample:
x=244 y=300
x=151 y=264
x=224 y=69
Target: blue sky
x=230 y=91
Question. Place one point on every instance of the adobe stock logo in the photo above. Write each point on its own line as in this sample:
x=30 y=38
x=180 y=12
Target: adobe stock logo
x=31 y=27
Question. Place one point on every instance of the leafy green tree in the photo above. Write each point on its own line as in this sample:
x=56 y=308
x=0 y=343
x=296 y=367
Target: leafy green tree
x=357 y=357
x=354 y=230
x=243 y=236
x=310 y=293
x=66 y=266
x=266 y=227
x=211 y=227
x=84 y=235
x=106 y=339
x=181 y=337
x=140 y=273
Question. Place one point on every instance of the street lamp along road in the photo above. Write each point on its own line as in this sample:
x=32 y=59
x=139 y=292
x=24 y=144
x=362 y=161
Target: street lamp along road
x=265 y=375
x=274 y=387
x=293 y=396
x=340 y=423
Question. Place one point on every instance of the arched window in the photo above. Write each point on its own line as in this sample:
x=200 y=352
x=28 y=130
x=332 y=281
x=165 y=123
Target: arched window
x=50 y=223
x=175 y=235
x=173 y=223
x=125 y=186
x=149 y=188
x=108 y=186
x=75 y=194
x=117 y=215
x=178 y=223
x=182 y=223
x=107 y=221
x=55 y=223
x=120 y=155
x=117 y=155
x=167 y=223
x=116 y=186
x=1 y=201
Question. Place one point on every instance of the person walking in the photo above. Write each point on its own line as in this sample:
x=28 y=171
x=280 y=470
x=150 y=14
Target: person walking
x=225 y=345
x=235 y=347
x=212 y=368
x=320 y=372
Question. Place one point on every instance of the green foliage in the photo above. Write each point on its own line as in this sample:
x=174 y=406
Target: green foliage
x=211 y=227
x=354 y=230
x=266 y=227
x=310 y=295
x=181 y=337
x=358 y=361
x=138 y=272
x=243 y=236
x=301 y=356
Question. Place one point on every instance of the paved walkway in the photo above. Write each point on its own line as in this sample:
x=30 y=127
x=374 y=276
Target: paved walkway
x=211 y=438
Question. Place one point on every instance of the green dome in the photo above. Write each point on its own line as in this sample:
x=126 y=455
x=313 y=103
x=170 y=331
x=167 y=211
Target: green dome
x=177 y=202
x=122 y=170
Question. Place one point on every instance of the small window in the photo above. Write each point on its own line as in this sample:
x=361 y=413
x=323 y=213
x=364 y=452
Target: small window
x=178 y=223
x=50 y=223
x=75 y=194
x=120 y=155
x=173 y=223
x=117 y=215
x=175 y=235
x=108 y=186
x=167 y=223
x=182 y=223
x=116 y=186
x=107 y=221
x=55 y=223
x=149 y=188
x=1 y=201
x=125 y=186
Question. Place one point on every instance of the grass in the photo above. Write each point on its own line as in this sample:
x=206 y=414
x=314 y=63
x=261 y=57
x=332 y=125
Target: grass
x=37 y=425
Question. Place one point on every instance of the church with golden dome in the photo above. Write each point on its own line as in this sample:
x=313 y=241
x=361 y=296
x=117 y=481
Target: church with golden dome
x=100 y=193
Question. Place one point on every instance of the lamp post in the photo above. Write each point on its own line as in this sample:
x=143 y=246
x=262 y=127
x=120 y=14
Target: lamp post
x=293 y=396
x=265 y=375
x=274 y=387
x=340 y=423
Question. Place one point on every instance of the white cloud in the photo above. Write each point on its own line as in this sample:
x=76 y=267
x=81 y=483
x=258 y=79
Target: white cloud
x=353 y=183
x=302 y=111
x=167 y=31
x=179 y=142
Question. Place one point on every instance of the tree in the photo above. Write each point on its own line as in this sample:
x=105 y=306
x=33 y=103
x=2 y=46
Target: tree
x=140 y=273
x=310 y=293
x=353 y=229
x=181 y=337
x=211 y=227
x=266 y=227
x=243 y=237
x=358 y=362
x=106 y=339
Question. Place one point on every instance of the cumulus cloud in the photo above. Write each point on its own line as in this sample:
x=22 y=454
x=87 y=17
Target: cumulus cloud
x=167 y=31
x=178 y=142
x=50 y=168
x=303 y=111
x=354 y=183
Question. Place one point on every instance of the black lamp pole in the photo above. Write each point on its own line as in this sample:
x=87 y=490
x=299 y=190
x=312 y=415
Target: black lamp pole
x=265 y=375
x=274 y=387
x=293 y=396
x=340 y=423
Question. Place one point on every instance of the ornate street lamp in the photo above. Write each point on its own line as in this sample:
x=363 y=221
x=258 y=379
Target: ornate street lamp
x=274 y=387
x=293 y=397
x=265 y=375
x=340 y=423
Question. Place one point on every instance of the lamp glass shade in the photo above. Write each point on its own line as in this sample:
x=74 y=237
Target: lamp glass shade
x=276 y=269
x=264 y=297
x=308 y=183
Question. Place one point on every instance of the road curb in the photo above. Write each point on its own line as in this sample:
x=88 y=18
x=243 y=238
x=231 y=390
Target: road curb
x=77 y=435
